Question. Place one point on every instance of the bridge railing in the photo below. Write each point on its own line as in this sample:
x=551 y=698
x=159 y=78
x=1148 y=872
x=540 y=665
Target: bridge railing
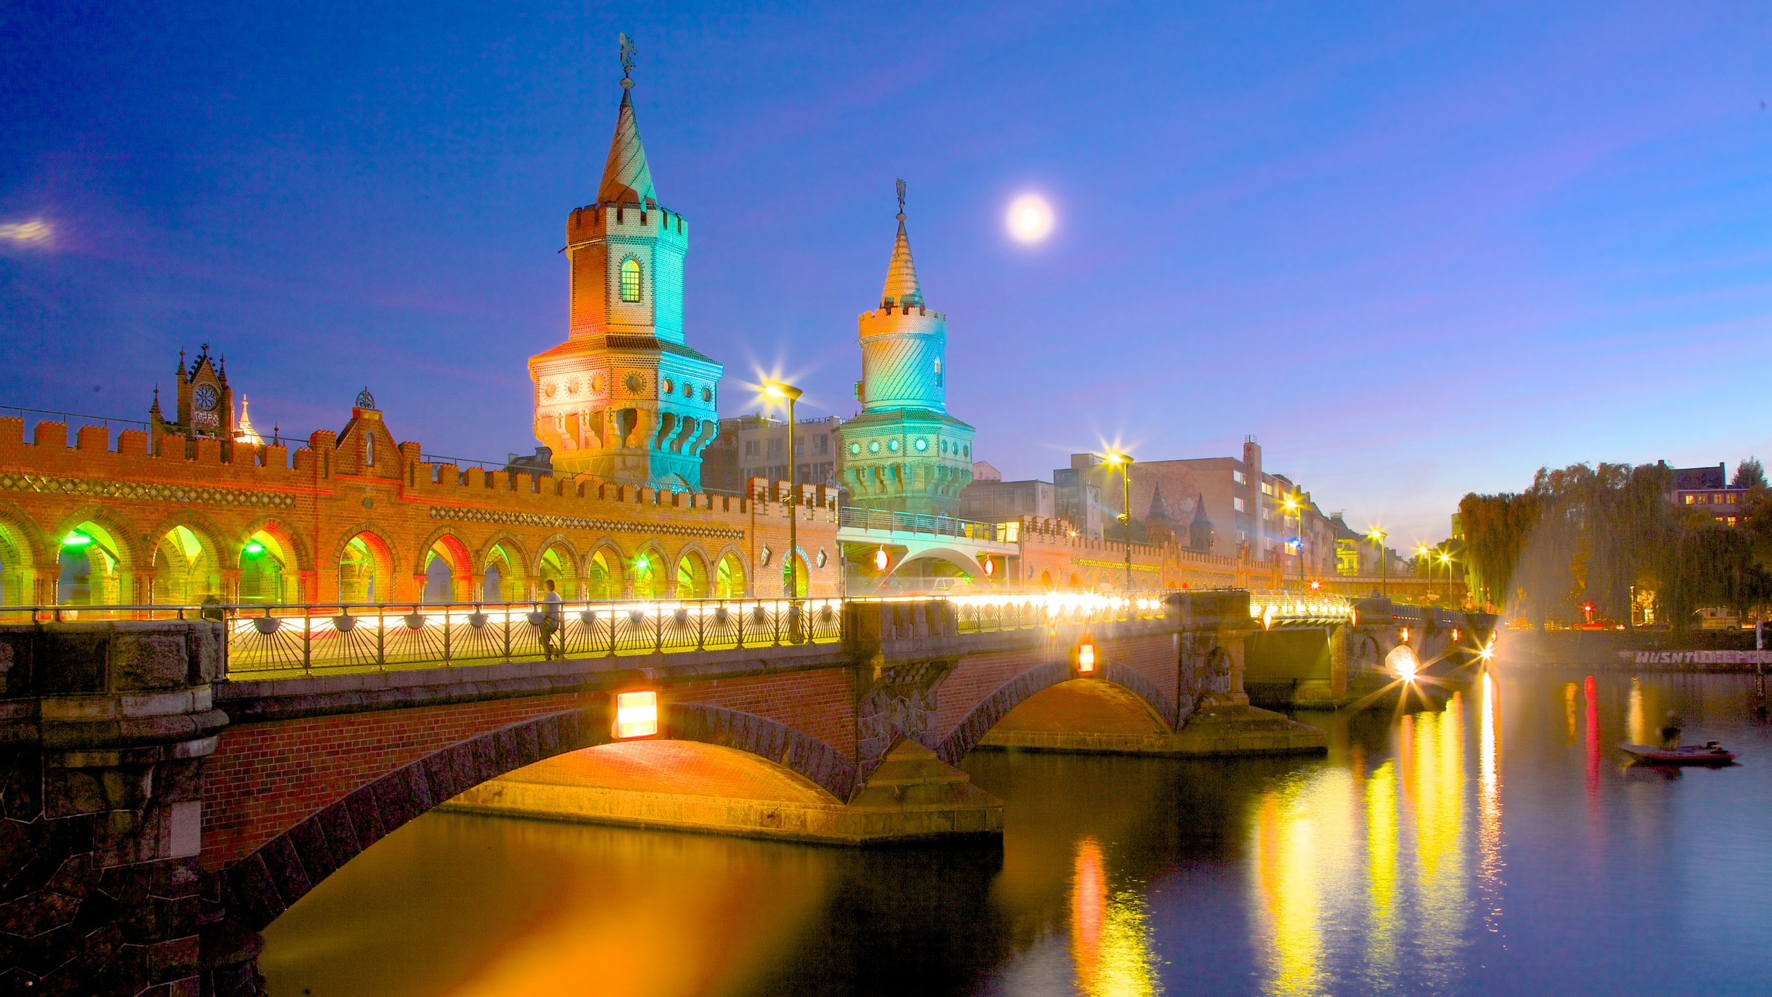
x=268 y=640
x=979 y=614
x=1299 y=607
x=887 y=521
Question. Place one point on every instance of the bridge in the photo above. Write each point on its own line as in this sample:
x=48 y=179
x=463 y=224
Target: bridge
x=172 y=782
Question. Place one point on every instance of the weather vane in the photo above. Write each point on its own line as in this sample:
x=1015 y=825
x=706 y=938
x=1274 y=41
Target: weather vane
x=901 y=200
x=627 y=59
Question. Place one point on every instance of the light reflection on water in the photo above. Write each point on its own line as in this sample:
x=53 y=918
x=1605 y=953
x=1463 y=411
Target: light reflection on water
x=1465 y=850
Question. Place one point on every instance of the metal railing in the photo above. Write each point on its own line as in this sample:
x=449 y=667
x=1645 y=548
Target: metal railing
x=270 y=640
x=886 y=521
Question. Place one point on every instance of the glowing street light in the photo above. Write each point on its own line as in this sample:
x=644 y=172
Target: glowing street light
x=253 y=548
x=76 y=539
x=1293 y=505
x=782 y=391
x=1377 y=537
x=1123 y=460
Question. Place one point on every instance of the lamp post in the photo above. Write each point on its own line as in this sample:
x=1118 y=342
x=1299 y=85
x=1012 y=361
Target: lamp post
x=1378 y=536
x=1123 y=461
x=1424 y=552
x=782 y=391
x=1295 y=507
x=1446 y=559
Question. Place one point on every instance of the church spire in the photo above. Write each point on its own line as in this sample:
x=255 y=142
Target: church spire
x=626 y=177
x=902 y=288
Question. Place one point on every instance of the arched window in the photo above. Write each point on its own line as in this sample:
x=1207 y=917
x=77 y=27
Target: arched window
x=938 y=372
x=630 y=279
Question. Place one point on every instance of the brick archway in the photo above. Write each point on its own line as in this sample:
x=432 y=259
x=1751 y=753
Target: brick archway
x=263 y=884
x=993 y=708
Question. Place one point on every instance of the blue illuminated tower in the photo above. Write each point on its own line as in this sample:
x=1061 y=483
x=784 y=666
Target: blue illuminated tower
x=904 y=452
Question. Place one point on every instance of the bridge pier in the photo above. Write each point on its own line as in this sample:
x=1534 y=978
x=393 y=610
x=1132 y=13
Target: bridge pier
x=103 y=732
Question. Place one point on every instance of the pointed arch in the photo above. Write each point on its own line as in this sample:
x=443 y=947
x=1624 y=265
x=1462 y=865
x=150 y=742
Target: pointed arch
x=647 y=571
x=502 y=569
x=366 y=566
x=447 y=567
x=187 y=553
x=729 y=575
x=23 y=554
x=102 y=569
x=290 y=540
x=605 y=572
x=557 y=559
x=691 y=576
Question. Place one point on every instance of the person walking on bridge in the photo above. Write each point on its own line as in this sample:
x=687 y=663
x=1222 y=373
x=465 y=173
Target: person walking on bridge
x=551 y=621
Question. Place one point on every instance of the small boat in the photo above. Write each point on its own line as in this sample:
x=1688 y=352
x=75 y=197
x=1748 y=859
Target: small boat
x=1708 y=753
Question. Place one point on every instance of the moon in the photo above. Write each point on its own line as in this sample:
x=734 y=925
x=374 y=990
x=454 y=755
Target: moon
x=1029 y=218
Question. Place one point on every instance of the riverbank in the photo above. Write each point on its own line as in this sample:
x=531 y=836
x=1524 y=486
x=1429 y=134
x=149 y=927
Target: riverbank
x=1705 y=651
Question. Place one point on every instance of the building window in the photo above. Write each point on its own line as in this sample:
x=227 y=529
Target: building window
x=750 y=448
x=776 y=446
x=1731 y=520
x=1237 y=476
x=1237 y=504
x=938 y=372
x=1690 y=499
x=821 y=445
x=630 y=279
x=368 y=449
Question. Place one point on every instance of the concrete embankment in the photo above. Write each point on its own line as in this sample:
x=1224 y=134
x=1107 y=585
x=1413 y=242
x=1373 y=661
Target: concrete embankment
x=1636 y=650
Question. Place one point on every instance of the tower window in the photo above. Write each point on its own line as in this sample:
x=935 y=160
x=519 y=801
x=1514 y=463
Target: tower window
x=938 y=372
x=630 y=279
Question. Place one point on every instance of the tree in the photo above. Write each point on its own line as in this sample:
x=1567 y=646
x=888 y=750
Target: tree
x=1749 y=474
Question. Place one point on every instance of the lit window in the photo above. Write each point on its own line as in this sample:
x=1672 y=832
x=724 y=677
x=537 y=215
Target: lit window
x=1731 y=520
x=1704 y=500
x=368 y=449
x=938 y=372
x=1237 y=476
x=630 y=279
x=1237 y=504
x=1689 y=499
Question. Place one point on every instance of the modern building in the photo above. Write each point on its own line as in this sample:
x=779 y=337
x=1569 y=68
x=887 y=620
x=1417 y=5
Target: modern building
x=625 y=398
x=904 y=453
x=999 y=501
x=1218 y=505
x=755 y=446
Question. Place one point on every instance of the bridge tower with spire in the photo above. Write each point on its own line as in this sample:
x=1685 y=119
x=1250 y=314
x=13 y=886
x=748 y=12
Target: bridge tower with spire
x=904 y=452
x=625 y=398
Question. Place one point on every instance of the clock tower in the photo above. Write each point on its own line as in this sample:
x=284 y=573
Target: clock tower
x=205 y=404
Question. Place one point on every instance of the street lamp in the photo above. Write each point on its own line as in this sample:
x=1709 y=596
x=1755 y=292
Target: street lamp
x=1294 y=507
x=1377 y=536
x=782 y=391
x=1446 y=559
x=1123 y=461
x=1425 y=553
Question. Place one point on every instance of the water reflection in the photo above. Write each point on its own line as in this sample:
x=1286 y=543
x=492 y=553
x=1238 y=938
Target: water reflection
x=1385 y=868
x=1110 y=934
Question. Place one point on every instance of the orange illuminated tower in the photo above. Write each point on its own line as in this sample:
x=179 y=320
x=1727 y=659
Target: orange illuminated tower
x=624 y=397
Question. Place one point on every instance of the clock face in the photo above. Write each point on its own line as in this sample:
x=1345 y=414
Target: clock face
x=204 y=399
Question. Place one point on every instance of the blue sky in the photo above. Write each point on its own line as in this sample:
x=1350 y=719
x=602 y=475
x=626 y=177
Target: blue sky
x=1416 y=249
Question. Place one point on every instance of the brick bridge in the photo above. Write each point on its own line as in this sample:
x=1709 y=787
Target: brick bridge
x=161 y=808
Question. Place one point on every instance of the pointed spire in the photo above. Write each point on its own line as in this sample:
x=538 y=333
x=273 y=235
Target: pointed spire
x=902 y=288
x=243 y=431
x=1200 y=511
x=181 y=363
x=154 y=410
x=626 y=177
x=1158 y=509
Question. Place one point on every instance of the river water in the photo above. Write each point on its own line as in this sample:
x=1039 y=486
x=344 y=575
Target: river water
x=1497 y=845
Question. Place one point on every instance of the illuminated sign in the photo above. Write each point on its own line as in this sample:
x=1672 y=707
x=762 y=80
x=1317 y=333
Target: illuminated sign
x=636 y=714
x=1347 y=557
x=1086 y=657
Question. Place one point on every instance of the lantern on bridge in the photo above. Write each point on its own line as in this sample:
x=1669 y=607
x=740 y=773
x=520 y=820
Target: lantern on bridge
x=636 y=714
x=1086 y=655
x=881 y=559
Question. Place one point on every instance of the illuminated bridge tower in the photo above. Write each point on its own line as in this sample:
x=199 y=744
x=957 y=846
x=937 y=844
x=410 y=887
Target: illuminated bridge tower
x=904 y=452
x=624 y=398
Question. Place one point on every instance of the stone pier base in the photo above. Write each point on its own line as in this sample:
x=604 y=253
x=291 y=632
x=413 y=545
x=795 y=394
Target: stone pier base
x=1097 y=717
x=912 y=795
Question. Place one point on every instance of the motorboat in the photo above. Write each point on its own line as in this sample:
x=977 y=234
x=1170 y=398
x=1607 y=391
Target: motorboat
x=1708 y=753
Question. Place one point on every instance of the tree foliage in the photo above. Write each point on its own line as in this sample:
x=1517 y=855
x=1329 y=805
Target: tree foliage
x=1586 y=535
x=1749 y=474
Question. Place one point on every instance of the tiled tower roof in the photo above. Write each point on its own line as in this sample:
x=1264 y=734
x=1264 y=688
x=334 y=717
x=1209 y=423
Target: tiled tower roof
x=901 y=276
x=626 y=177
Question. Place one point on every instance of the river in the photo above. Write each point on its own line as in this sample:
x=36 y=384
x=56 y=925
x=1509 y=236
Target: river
x=1497 y=845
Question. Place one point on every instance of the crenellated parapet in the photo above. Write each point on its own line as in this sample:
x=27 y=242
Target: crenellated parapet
x=355 y=513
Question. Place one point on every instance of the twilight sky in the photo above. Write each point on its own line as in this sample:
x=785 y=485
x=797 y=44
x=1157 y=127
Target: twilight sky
x=1416 y=254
